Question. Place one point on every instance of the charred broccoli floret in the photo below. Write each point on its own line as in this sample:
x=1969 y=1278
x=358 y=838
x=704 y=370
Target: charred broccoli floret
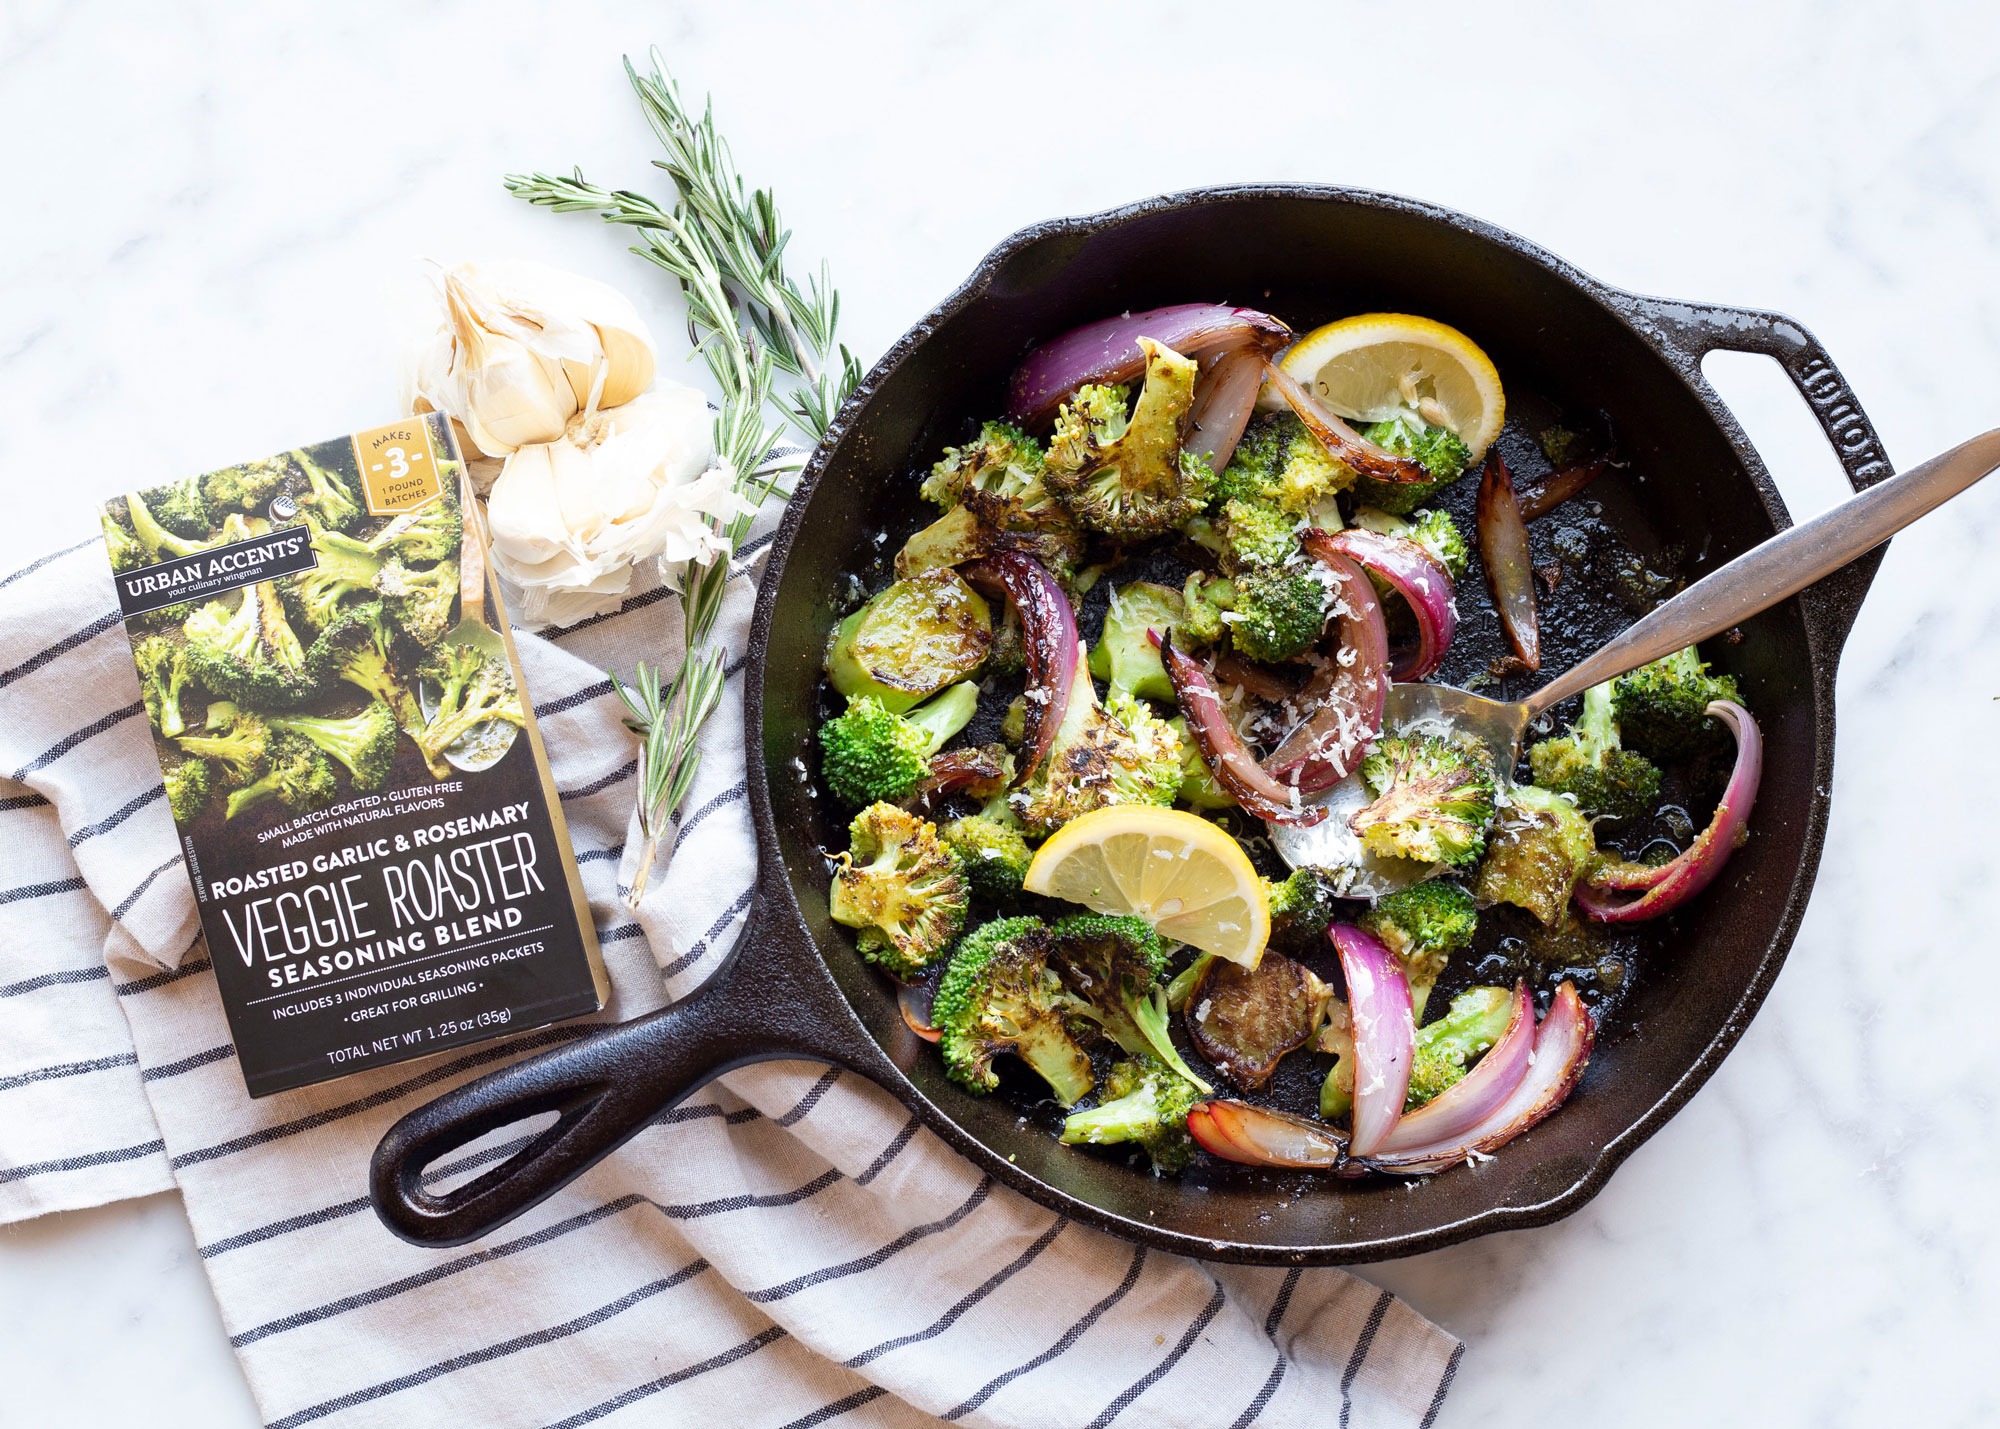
x=1302 y=907
x=1589 y=765
x=1127 y=475
x=1271 y=613
x=249 y=653
x=1477 y=1018
x=1434 y=798
x=154 y=535
x=365 y=742
x=995 y=498
x=1143 y=1101
x=1000 y=995
x=236 y=739
x=362 y=652
x=1111 y=966
x=901 y=888
x=183 y=508
x=1423 y=925
x=1662 y=707
x=870 y=755
x=163 y=675
x=1125 y=654
x=1541 y=846
x=328 y=496
x=1436 y=449
x=191 y=785
x=1281 y=466
x=1003 y=463
x=432 y=532
x=991 y=848
x=1117 y=752
x=298 y=776
x=125 y=549
x=247 y=487
x=1434 y=530
x=472 y=689
x=419 y=601
x=344 y=567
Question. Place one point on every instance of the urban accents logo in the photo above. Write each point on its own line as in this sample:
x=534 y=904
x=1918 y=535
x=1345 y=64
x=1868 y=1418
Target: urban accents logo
x=210 y=572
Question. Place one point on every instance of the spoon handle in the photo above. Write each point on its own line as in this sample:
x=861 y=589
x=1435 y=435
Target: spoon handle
x=1781 y=567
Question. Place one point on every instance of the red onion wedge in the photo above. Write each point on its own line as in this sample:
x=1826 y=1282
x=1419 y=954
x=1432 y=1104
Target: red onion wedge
x=1054 y=653
x=1665 y=888
x=1224 y=397
x=1341 y=440
x=1563 y=483
x=1257 y=1136
x=1223 y=750
x=1503 y=548
x=1420 y=579
x=1464 y=1105
x=1562 y=1051
x=1344 y=699
x=1378 y=1003
x=1108 y=351
x=1264 y=683
x=915 y=1004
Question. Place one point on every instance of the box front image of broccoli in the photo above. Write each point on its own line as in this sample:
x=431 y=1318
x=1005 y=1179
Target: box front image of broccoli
x=363 y=800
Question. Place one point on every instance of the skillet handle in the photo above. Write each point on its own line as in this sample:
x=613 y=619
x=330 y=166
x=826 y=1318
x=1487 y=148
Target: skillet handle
x=604 y=1088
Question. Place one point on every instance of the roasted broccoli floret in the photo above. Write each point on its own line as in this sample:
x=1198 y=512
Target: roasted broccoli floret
x=1004 y=463
x=1423 y=925
x=419 y=601
x=125 y=549
x=870 y=755
x=191 y=784
x=1117 y=752
x=163 y=675
x=1434 y=530
x=1111 y=966
x=472 y=689
x=1477 y=1019
x=1589 y=765
x=246 y=487
x=1254 y=534
x=1281 y=466
x=344 y=567
x=432 y=532
x=1434 y=798
x=365 y=742
x=991 y=848
x=1302 y=907
x=1436 y=449
x=901 y=888
x=1143 y=1101
x=361 y=651
x=249 y=653
x=183 y=508
x=1125 y=654
x=1541 y=846
x=1271 y=613
x=1661 y=707
x=154 y=535
x=1000 y=995
x=328 y=496
x=299 y=777
x=235 y=739
x=1127 y=476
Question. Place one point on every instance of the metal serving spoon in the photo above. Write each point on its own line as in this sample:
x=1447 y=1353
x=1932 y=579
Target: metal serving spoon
x=1755 y=581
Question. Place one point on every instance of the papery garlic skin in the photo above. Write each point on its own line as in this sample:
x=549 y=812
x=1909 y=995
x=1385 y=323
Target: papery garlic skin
x=571 y=519
x=521 y=348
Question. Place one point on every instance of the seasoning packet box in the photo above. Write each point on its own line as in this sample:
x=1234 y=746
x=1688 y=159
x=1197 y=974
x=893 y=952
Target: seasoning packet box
x=364 y=805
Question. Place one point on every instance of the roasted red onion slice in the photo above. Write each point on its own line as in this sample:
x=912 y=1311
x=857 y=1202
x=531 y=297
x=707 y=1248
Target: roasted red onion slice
x=1563 y=483
x=1224 y=398
x=1265 y=684
x=1341 y=440
x=1663 y=889
x=1257 y=1136
x=1223 y=750
x=914 y=1001
x=1562 y=1051
x=1108 y=351
x=1463 y=1106
x=1503 y=548
x=1378 y=1004
x=1344 y=700
x=1418 y=577
x=1048 y=625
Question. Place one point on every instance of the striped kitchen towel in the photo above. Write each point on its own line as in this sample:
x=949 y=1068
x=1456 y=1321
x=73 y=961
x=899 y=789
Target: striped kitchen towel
x=787 y=1247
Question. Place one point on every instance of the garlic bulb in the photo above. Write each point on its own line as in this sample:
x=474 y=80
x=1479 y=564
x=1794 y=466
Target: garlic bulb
x=519 y=349
x=571 y=519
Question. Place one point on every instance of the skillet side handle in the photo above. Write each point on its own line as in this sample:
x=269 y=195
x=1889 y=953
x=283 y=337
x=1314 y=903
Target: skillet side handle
x=605 y=1088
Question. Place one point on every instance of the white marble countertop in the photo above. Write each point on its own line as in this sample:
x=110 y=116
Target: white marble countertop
x=207 y=204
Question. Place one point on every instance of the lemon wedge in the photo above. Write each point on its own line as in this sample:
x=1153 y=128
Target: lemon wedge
x=1182 y=874
x=1373 y=366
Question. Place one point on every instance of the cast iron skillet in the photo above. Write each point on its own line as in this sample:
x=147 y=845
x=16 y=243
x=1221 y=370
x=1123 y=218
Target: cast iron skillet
x=794 y=987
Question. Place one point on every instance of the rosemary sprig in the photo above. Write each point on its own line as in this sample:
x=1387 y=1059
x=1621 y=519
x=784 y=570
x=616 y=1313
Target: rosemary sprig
x=749 y=321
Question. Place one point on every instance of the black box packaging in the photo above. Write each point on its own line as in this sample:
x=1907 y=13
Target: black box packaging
x=363 y=800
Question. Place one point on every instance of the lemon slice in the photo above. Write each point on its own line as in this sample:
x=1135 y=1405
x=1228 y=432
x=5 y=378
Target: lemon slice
x=1176 y=870
x=1372 y=367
